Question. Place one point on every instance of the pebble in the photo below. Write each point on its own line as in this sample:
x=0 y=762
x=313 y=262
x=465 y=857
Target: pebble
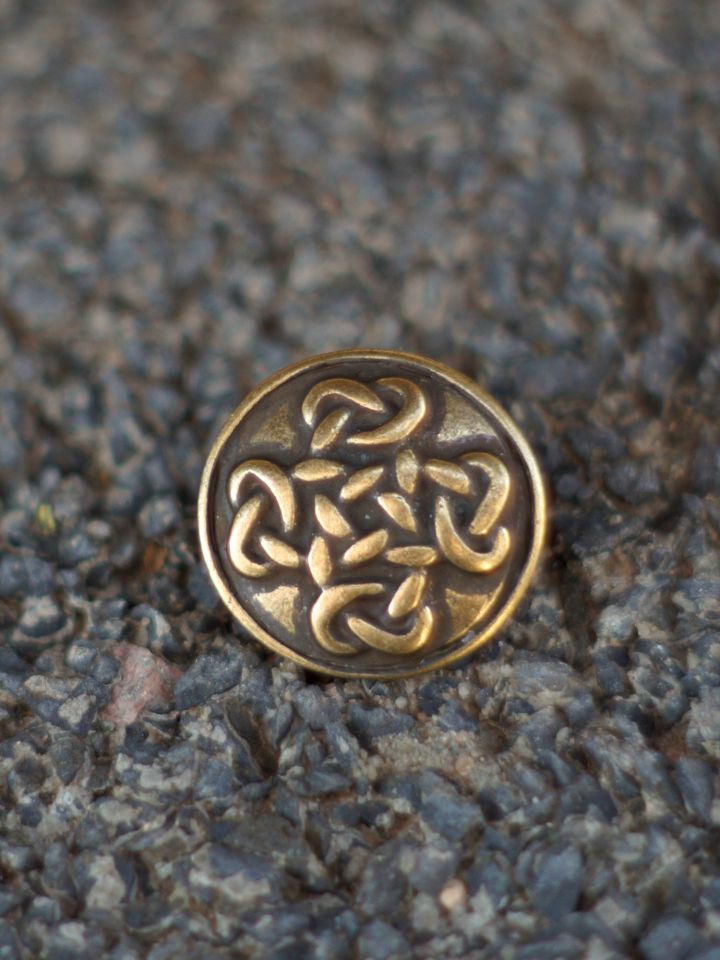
x=370 y=723
x=453 y=895
x=558 y=882
x=40 y=617
x=450 y=815
x=694 y=777
x=315 y=708
x=380 y=941
x=670 y=938
x=634 y=482
x=160 y=515
x=24 y=576
x=211 y=674
x=144 y=682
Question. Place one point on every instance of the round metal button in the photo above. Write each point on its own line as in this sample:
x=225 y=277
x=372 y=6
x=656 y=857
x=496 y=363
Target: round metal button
x=371 y=513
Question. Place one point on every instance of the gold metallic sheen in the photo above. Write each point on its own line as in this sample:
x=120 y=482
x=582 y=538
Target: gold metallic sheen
x=330 y=518
x=361 y=482
x=365 y=549
x=408 y=594
x=398 y=509
x=403 y=423
x=449 y=475
x=407 y=470
x=330 y=409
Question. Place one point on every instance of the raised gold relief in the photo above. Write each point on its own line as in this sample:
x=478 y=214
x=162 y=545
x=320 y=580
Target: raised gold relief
x=406 y=622
x=281 y=603
x=365 y=512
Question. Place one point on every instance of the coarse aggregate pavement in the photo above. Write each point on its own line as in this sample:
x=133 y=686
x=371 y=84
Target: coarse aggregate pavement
x=194 y=194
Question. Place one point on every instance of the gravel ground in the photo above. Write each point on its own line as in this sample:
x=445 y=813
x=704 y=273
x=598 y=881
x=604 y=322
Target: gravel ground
x=195 y=193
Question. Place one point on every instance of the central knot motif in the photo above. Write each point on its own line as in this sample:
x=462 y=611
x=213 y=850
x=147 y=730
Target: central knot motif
x=371 y=585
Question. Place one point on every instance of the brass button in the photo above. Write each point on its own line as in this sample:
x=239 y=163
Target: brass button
x=371 y=513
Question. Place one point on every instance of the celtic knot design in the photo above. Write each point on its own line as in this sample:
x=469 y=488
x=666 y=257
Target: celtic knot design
x=387 y=609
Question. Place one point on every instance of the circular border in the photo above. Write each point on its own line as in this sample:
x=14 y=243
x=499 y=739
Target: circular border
x=457 y=379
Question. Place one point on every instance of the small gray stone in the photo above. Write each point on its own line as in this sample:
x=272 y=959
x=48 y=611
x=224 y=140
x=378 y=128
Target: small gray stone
x=432 y=868
x=67 y=754
x=215 y=779
x=670 y=938
x=8 y=900
x=78 y=712
x=662 y=359
x=211 y=674
x=383 y=885
x=151 y=915
x=558 y=882
x=201 y=587
x=560 y=947
x=548 y=378
x=322 y=781
x=22 y=576
x=13 y=671
x=703 y=731
x=80 y=656
x=380 y=941
x=634 y=482
x=695 y=779
x=160 y=515
x=493 y=873
x=160 y=638
x=40 y=617
x=315 y=707
x=431 y=695
x=255 y=878
x=706 y=468
x=105 y=669
x=450 y=815
x=280 y=723
x=65 y=148
x=45 y=909
x=9 y=944
x=370 y=723
x=75 y=549
x=609 y=661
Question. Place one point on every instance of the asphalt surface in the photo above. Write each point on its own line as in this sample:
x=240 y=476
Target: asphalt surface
x=194 y=194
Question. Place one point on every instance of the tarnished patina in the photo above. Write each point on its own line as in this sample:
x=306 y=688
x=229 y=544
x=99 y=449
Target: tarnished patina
x=371 y=513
